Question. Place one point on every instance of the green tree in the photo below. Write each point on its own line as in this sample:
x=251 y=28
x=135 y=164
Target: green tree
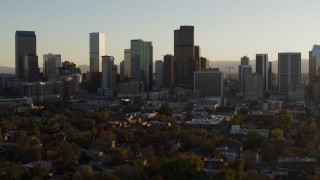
x=33 y=129
x=285 y=121
x=39 y=171
x=65 y=154
x=85 y=173
x=277 y=133
x=238 y=166
x=183 y=166
x=165 y=109
x=254 y=140
x=14 y=171
x=119 y=155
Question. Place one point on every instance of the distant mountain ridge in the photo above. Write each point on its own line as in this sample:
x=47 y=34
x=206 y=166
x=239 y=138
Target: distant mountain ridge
x=235 y=64
x=212 y=64
x=7 y=70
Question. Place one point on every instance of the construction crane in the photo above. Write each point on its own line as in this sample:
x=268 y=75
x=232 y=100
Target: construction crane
x=230 y=67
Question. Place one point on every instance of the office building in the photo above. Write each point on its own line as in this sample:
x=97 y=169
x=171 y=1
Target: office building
x=184 y=56
x=254 y=87
x=51 y=64
x=159 y=73
x=197 y=57
x=262 y=68
x=289 y=71
x=122 y=71
x=127 y=63
x=204 y=63
x=31 y=68
x=26 y=45
x=314 y=63
x=168 y=70
x=108 y=77
x=245 y=60
x=209 y=82
x=97 y=49
x=244 y=72
x=270 y=73
x=142 y=62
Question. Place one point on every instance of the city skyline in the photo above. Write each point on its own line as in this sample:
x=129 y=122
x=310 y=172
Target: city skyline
x=223 y=30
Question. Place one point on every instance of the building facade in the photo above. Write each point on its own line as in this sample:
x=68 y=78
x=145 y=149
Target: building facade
x=51 y=64
x=244 y=60
x=244 y=73
x=159 y=73
x=25 y=45
x=108 y=79
x=314 y=63
x=184 y=56
x=97 y=49
x=168 y=70
x=254 y=86
x=289 y=71
x=127 y=63
x=31 y=68
x=209 y=82
x=142 y=62
x=262 y=68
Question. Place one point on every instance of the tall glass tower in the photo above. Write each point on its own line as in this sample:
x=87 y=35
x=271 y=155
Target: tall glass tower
x=26 y=45
x=97 y=49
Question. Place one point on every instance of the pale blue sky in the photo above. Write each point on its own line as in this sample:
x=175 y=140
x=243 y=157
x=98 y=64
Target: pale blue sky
x=225 y=29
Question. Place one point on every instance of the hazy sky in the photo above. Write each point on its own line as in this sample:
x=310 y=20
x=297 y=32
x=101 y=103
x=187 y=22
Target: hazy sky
x=225 y=29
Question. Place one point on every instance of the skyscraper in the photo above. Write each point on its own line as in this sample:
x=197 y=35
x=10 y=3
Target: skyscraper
x=262 y=68
x=244 y=73
x=270 y=87
x=127 y=63
x=245 y=60
x=184 y=56
x=204 y=63
x=254 y=86
x=197 y=57
x=168 y=70
x=289 y=71
x=209 y=82
x=314 y=63
x=142 y=62
x=122 y=71
x=159 y=73
x=26 y=45
x=97 y=49
x=108 y=79
x=51 y=63
x=31 y=68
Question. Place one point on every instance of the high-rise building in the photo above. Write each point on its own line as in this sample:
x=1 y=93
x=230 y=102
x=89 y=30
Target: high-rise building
x=262 y=68
x=184 y=56
x=26 y=45
x=31 y=68
x=127 y=63
x=122 y=71
x=245 y=60
x=159 y=73
x=270 y=86
x=197 y=57
x=209 y=82
x=254 y=86
x=204 y=63
x=244 y=72
x=142 y=62
x=314 y=63
x=97 y=50
x=51 y=64
x=289 y=71
x=168 y=70
x=108 y=79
